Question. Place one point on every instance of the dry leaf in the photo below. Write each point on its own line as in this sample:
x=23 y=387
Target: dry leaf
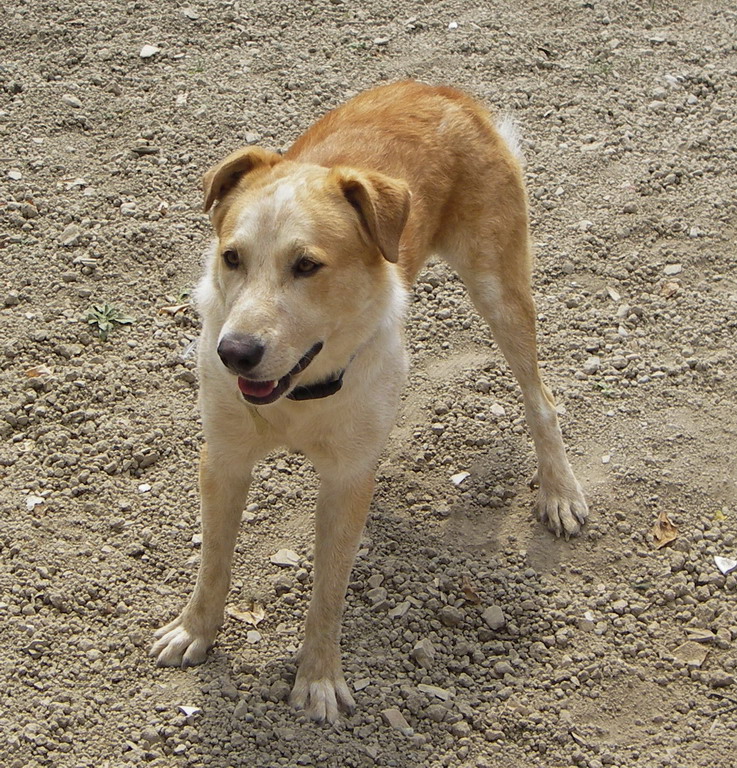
x=254 y=615
x=175 y=309
x=469 y=592
x=39 y=370
x=664 y=531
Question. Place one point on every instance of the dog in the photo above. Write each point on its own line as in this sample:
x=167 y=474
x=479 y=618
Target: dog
x=302 y=302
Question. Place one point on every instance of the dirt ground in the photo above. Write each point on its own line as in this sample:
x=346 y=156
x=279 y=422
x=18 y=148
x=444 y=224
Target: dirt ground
x=607 y=651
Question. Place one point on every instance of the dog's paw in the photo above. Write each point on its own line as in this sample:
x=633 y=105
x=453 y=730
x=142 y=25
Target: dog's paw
x=563 y=507
x=180 y=644
x=320 y=689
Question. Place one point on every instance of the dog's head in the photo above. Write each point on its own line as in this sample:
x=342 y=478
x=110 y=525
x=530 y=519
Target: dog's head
x=298 y=276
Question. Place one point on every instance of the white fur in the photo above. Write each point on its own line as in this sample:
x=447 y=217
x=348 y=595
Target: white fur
x=510 y=132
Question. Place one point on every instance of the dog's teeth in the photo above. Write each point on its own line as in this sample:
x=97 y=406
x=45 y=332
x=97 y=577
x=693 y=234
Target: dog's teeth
x=275 y=383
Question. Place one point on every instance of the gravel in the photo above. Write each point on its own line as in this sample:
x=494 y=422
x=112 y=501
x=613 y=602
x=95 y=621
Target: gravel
x=471 y=637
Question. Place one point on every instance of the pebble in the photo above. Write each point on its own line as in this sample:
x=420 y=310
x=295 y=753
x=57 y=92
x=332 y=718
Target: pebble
x=720 y=679
x=494 y=617
x=673 y=269
x=70 y=235
x=395 y=719
x=286 y=558
x=71 y=101
x=691 y=653
x=592 y=365
x=450 y=616
x=434 y=690
x=436 y=712
x=148 y=51
x=423 y=652
x=502 y=668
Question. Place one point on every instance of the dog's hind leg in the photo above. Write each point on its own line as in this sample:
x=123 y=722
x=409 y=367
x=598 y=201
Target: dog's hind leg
x=223 y=489
x=494 y=263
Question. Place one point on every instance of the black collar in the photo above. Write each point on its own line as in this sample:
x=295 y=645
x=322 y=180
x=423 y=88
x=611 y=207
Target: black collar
x=318 y=389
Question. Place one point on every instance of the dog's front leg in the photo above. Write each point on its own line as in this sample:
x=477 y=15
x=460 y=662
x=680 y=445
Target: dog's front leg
x=342 y=506
x=223 y=489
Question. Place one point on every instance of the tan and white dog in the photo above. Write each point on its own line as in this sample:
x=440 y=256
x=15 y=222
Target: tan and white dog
x=302 y=342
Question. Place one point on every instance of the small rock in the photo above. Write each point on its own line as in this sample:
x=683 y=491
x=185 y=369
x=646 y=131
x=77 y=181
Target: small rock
x=286 y=558
x=399 y=610
x=377 y=595
x=150 y=735
x=691 y=653
x=436 y=712
x=381 y=41
x=148 y=51
x=190 y=13
x=502 y=668
x=70 y=235
x=71 y=101
x=619 y=606
x=619 y=362
x=720 y=679
x=423 y=652
x=450 y=616
x=434 y=690
x=498 y=410
x=461 y=729
x=253 y=636
x=494 y=617
x=229 y=690
x=241 y=709
x=14 y=174
x=28 y=211
x=279 y=691
x=395 y=719
x=592 y=365
x=673 y=269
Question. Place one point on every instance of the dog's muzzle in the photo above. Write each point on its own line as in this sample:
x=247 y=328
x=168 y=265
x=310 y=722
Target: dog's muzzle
x=265 y=392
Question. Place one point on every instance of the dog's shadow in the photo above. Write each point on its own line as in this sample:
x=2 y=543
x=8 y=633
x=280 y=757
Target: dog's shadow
x=245 y=713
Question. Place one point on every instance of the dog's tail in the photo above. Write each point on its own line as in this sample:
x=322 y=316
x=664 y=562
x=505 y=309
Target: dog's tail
x=510 y=132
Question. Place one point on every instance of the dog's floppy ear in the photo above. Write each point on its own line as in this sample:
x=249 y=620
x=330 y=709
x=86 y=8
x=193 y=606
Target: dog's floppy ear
x=220 y=179
x=382 y=204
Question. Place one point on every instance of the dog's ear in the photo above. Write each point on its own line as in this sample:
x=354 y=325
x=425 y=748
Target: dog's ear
x=220 y=179
x=382 y=205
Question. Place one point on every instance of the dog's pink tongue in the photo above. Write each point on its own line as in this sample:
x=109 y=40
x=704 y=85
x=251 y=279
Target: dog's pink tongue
x=256 y=388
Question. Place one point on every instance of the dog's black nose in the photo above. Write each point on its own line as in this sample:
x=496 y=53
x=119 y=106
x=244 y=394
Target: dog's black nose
x=241 y=353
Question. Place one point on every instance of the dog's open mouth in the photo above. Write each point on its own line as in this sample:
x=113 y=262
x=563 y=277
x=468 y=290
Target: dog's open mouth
x=265 y=392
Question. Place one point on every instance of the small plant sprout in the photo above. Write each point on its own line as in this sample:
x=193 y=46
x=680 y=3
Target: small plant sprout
x=106 y=317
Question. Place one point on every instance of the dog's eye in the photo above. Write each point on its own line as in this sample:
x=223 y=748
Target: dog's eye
x=231 y=258
x=306 y=266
